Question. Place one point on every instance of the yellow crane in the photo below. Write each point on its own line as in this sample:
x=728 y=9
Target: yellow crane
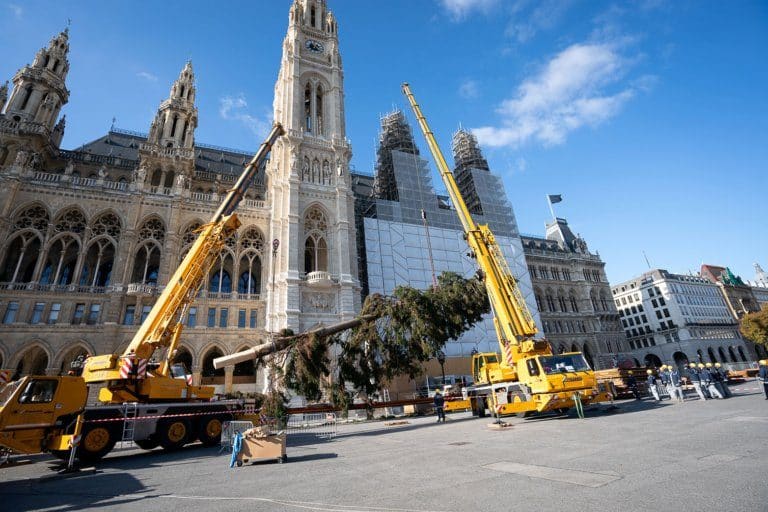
x=527 y=376
x=151 y=405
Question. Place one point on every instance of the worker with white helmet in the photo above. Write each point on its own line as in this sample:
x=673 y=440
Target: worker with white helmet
x=652 y=385
x=709 y=381
x=721 y=377
x=695 y=378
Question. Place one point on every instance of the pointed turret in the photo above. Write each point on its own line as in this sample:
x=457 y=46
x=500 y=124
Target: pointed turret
x=39 y=90
x=58 y=131
x=395 y=135
x=176 y=119
x=467 y=156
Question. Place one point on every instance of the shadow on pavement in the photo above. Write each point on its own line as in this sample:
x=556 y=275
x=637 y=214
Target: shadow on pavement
x=73 y=493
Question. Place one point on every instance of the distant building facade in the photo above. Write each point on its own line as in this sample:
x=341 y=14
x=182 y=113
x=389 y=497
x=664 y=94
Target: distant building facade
x=573 y=296
x=678 y=318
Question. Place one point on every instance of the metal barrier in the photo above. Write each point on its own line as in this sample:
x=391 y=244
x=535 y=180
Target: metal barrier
x=228 y=430
x=320 y=425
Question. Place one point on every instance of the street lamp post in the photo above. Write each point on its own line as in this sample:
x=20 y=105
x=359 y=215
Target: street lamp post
x=275 y=246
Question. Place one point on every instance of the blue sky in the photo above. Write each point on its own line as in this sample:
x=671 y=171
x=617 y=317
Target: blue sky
x=649 y=117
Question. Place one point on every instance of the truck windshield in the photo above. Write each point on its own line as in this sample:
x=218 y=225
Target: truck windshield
x=565 y=363
x=7 y=391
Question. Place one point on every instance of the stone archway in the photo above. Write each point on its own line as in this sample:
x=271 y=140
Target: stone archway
x=588 y=356
x=74 y=352
x=183 y=356
x=211 y=375
x=680 y=359
x=34 y=361
x=653 y=361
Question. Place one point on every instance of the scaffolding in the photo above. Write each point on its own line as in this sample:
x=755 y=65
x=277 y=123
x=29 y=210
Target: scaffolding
x=467 y=156
x=395 y=135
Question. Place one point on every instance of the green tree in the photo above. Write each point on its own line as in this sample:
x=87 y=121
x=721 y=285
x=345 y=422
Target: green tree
x=394 y=336
x=754 y=326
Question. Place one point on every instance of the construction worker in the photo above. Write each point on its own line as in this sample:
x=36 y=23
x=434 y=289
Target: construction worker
x=676 y=381
x=721 y=376
x=695 y=378
x=632 y=385
x=709 y=382
x=664 y=380
x=652 y=385
x=439 y=406
x=762 y=376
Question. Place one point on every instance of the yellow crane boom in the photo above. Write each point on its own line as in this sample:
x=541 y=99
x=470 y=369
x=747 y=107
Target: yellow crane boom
x=512 y=319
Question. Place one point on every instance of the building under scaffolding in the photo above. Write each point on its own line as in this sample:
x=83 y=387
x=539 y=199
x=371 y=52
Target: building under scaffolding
x=467 y=156
x=407 y=232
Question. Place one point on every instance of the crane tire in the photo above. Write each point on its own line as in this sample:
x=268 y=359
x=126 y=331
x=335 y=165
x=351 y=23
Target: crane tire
x=209 y=431
x=97 y=441
x=174 y=433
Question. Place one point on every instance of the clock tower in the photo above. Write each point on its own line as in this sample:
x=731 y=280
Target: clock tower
x=314 y=258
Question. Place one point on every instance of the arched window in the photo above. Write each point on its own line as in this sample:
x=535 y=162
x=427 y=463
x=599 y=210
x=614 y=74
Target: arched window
x=319 y=110
x=21 y=258
x=308 y=108
x=711 y=354
x=97 y=267
x=208 y=369
x=315 y=246
x=312 y=16
x=146 y=266
x=574 y=304
x=173 y=126
x=221 y=282
x=732 y=354
x=27 y=95
x=550 y=301
x=721 y=352
x=741 y=354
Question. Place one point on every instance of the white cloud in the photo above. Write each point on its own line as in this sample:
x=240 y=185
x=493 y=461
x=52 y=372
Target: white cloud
x=469 y=89
x=578 y=87
x=233 y=108
x=146 y=75
x=460 y=9
x=17 y=10
x=543 y=15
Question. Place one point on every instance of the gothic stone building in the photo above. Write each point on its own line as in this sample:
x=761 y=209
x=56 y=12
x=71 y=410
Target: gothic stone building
x=573 y=296
x=89 y=236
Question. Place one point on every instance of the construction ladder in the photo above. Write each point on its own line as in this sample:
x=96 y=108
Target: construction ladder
x=130 y=412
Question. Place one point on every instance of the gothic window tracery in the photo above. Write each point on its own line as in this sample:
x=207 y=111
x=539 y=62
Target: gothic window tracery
x=315 y=244
x=107 y=224
x=71 y=221
x=146 y=267
x=319 y=109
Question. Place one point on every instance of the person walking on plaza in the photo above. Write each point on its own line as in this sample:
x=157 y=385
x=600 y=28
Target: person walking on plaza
x=721 y=376
x=677 y=387
x=652 y=385
x=693 y=376
x=439 y=406
x=762 y=376
x=708 y=382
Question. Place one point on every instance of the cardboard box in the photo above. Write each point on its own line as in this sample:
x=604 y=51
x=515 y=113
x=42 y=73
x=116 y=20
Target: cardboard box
x=262 y=448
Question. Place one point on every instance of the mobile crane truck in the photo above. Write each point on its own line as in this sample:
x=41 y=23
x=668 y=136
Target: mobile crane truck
x=527 y=377
x=150 y=406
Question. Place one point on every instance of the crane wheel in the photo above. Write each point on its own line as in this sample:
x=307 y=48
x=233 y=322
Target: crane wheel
x=174 y=434
x=97 y=441
x=210 y=431
x=147 y=444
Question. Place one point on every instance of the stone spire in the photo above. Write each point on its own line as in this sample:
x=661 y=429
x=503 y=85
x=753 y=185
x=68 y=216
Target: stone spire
x=39 y=89
x=176 y=119
x=58 y=131
x=467 y=156
x=3 y=95
x=760 y=275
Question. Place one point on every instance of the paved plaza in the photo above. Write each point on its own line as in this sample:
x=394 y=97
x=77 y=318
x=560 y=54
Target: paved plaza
x=642 y=456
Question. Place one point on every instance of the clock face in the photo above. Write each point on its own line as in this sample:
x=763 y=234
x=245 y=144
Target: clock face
x=314 y=46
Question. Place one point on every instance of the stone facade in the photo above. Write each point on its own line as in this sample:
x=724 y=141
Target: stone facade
x=675 y=318
x=89 y=236
x=573 y=296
